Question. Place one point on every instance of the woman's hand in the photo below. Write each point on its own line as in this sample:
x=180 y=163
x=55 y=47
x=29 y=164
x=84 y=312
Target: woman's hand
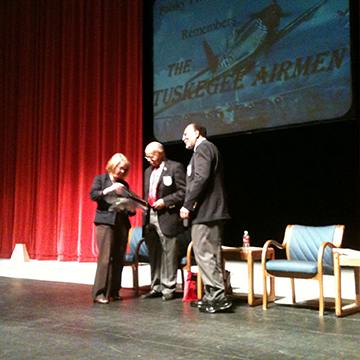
x=114 y=187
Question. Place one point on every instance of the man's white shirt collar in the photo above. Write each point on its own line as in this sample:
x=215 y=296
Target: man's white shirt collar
x=198 y=142
x=161 y=166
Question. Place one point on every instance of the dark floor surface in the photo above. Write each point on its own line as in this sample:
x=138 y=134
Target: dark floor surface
x=53 y=320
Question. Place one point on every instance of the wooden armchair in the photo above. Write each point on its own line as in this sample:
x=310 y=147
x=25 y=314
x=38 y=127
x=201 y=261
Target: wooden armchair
x=308 y=256
x=189 y=262
x=137 y=254
x=185 y=254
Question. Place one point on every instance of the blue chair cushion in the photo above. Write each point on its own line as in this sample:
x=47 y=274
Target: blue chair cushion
x=130 y=258
x=183 y=261
x=306 y=241
x=296 y=266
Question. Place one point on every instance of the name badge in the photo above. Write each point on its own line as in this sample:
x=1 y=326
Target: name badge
x=167 y=180
x=188 y=170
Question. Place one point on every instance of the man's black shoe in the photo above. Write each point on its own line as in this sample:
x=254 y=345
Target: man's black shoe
x=167 y=297
x=151 y=294
x=216 y=307
x=199 y=303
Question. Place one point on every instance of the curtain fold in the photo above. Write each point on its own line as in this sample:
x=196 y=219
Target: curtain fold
x=71 y=97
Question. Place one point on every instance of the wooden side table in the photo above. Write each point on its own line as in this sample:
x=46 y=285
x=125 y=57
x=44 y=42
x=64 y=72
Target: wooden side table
x=346 y=257
x=253 y=253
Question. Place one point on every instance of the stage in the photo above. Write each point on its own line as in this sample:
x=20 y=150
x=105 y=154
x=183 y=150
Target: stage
x=47 y=313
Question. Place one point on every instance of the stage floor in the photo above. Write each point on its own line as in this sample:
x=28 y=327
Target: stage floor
x=84 y=273
x=46 y=313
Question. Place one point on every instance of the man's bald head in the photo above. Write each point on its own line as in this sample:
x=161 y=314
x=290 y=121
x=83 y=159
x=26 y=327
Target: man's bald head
x=154 y=153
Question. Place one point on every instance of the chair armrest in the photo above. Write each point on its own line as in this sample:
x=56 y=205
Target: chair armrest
x=137 y=250
x=188 y=257
x=321 y=255
x=266 y=247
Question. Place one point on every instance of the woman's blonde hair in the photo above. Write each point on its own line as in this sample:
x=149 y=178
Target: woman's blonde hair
x=115 y=160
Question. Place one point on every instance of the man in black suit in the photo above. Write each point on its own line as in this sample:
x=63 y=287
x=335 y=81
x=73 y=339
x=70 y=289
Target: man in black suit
x=164 y=190
x=206 y=206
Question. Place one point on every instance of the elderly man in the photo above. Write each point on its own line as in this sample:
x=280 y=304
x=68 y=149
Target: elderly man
x=164 y=190
x=206 y=206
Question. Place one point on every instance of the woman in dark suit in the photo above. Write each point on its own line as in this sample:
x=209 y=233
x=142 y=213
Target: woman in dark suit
x=112 y=228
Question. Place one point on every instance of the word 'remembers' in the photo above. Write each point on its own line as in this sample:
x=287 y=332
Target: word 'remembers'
x=216 y=25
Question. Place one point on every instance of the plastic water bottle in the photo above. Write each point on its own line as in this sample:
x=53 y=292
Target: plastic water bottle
x=246 y=241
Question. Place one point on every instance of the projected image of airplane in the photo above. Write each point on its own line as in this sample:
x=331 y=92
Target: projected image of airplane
x=243 y=48
x=251 y=40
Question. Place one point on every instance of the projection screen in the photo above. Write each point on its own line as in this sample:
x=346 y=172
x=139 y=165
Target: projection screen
x=245 y=65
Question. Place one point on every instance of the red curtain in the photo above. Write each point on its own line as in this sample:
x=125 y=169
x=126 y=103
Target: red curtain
x=70 y=97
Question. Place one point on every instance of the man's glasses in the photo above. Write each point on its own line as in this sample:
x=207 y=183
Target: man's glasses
x=149 y=157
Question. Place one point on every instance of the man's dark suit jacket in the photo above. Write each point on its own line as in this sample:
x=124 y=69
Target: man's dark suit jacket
x=171 y=188
x=205 y=193
x=103 y=215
